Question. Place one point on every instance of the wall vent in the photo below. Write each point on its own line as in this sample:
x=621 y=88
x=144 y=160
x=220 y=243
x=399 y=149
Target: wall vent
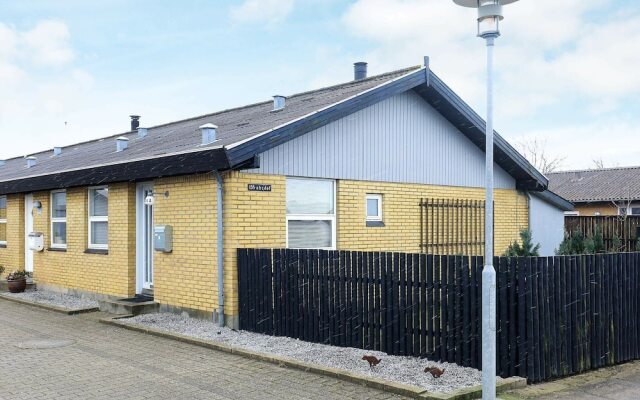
x=122 y=143
x=209 y=133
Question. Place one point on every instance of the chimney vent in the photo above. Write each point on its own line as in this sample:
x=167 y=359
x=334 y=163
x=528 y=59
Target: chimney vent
x=57 y=151
x=209 y=133
x=31 y=161
x=122 y=143
x=135 y=122
x=142 y=132
x=360 y=71
x=279 y=102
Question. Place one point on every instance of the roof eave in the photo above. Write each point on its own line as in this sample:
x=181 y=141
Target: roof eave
x=554 y=199
x=135 y=170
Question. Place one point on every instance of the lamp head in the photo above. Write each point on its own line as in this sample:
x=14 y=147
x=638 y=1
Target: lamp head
x=489 y=15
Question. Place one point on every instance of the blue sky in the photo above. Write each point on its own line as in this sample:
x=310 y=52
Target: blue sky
x=567 y=70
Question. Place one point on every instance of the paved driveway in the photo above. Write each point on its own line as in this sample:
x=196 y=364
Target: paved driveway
x=106 y=362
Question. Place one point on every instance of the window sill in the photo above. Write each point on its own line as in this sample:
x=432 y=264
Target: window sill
x=375 y=224
x=103 y=252
x=57 y=249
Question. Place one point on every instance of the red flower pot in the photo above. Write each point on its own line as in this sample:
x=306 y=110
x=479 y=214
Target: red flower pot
x=17 y=286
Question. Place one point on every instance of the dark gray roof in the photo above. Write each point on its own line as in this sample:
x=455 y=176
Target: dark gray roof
x=609 y=184
x=234 y=125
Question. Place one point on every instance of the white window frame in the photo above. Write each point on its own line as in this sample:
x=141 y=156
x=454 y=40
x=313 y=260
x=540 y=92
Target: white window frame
x=96 y=219
x=572 y=213
x=371 y=196
x=57 y=220
x=4 y=220
x=316 y=217
x=628 y=209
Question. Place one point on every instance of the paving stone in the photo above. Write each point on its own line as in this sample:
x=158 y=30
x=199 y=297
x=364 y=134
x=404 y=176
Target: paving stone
x=104 y=362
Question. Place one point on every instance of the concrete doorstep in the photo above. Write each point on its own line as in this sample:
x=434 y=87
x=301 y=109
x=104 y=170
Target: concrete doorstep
x=391 y=387
x=49 y=307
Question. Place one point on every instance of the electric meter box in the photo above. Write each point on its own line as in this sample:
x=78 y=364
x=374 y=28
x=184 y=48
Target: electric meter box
x=163 y=238
x=35 y=241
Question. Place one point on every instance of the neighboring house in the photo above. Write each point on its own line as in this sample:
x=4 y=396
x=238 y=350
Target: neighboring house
x=343 y=167
x=595 y=192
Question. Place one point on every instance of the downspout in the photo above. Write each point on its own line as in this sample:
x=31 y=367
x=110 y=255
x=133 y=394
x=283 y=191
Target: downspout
x=219 y=206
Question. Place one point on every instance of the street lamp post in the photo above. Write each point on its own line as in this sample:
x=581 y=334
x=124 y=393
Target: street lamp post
x=489 y=17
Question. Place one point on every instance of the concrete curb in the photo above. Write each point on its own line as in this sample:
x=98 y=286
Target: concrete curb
x=49 y=307
x=391 y=387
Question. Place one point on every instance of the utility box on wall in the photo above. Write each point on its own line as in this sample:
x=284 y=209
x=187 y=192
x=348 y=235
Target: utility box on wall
x=163 y=238
x=35 y=241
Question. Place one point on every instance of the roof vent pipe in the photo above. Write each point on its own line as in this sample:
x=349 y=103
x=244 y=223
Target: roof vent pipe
x=142 y=132
x=360 y=71
x=122 y=143
x=209 y=133
x=135 y=122
x=279 y=102
x=31 y=161
x=57 y=151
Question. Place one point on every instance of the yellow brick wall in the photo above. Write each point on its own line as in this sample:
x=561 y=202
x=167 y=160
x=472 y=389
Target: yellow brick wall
x=591 y=209
x=112 y=274
x=187 y=277
x=12 y=257
x=401 y=214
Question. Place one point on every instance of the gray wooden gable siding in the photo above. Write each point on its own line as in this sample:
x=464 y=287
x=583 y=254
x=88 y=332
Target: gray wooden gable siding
x=401 y=139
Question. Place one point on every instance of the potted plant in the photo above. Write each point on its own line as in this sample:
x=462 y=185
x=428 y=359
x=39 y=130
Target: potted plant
x=17 y=281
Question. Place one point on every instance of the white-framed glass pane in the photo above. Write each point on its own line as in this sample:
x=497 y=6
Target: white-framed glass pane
x=3 y=232
x=309 y=234
x=58 y=205
x=99 y=204
x=622 y=211
x=310 y=196
x=3 y=207
x=635 y=211
x=99 y=233
x=59 y=233
x=372 y=207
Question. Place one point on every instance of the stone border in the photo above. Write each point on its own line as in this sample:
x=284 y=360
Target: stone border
x=49 y=307
x=387 y=386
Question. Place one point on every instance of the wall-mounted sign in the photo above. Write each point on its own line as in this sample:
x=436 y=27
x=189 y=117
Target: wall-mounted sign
x=257 y=187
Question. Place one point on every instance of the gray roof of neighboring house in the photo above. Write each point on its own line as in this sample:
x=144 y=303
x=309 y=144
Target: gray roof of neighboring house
x=246 y=132
x=233 y=124
x=586 y=186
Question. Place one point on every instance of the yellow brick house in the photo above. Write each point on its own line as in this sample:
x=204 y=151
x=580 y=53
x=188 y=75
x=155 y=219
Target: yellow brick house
x=161 y=211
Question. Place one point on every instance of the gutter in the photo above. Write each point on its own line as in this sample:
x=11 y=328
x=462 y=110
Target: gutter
x=220 y=250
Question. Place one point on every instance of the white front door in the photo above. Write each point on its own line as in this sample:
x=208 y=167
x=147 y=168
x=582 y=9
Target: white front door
x=144 y=238
x=28 y=228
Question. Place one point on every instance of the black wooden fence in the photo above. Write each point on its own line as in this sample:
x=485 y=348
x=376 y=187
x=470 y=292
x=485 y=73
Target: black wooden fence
x=556 y=315
x=622 y=229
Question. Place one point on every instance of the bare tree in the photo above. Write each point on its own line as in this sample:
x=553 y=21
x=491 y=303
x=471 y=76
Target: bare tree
x=535 y=150
x=598 y=163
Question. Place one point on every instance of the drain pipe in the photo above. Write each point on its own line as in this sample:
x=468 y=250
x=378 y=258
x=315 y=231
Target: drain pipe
x=219 y=205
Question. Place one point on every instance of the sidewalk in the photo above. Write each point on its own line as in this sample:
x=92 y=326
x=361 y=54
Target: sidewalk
x=621 y=382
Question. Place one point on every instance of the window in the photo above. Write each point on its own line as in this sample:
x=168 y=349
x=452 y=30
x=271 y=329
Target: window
x=99 y=218
x=634 y=209
x=311 y=213
x=59 y=219
x=3 y=220
x=374 y=207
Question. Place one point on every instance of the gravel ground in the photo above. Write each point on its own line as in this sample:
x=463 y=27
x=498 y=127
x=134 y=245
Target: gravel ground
x=407 y=370
x=67 y=301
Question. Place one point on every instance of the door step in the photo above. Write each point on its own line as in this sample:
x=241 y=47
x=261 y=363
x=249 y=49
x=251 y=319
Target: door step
x=139 y=304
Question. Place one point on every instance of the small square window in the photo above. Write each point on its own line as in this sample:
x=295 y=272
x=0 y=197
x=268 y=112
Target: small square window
x=374 y=207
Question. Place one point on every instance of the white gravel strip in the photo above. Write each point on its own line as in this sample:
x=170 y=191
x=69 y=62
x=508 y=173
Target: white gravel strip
x=406 y=370
x=67 y=301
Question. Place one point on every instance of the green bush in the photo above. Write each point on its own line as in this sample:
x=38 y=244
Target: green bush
x=527 y=249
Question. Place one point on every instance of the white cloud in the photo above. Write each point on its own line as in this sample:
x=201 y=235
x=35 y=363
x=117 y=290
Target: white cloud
x=262 y=11
x=48 y=43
